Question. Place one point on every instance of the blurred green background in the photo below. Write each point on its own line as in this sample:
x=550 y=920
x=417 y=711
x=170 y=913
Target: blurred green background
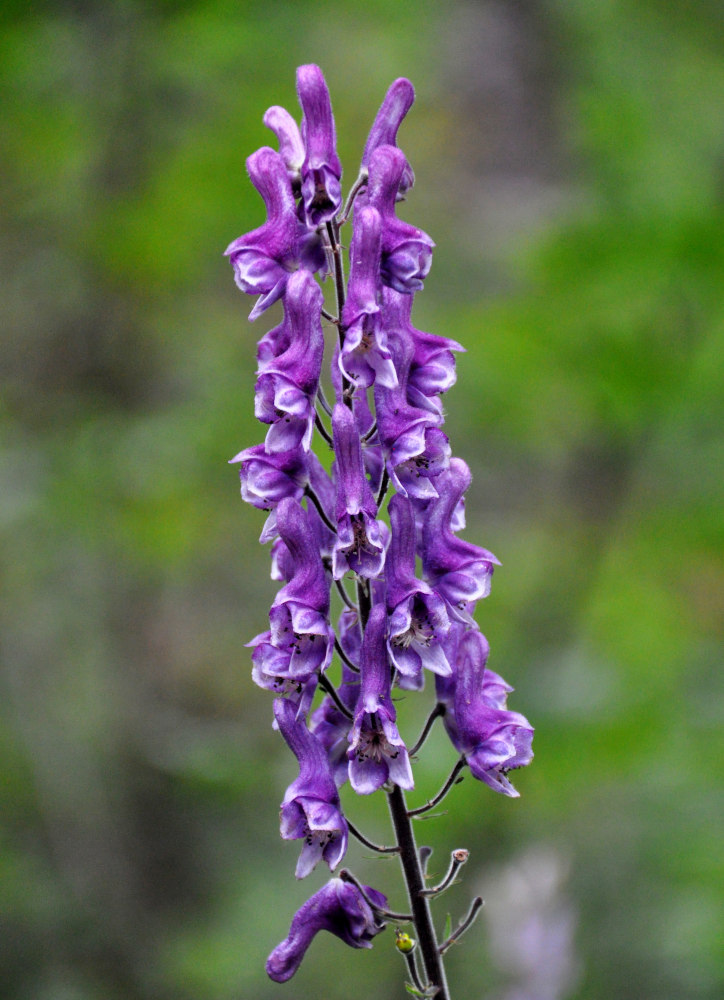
x=570 y=166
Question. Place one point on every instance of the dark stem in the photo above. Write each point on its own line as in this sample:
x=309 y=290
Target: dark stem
x=322 y=429
x=409 y=957
x=427 y=939
x=343 y=656
x=383 y=487
x=443 y=791
x=347 y=876
x=345 y=596
x=466 y=922
x=364 y=601
x=323 y=401
x=327 y=686
x=368 y=843
x=309 y=492
x=328 y=315
x=370 y=433
x=437 y=712
x=335 y=249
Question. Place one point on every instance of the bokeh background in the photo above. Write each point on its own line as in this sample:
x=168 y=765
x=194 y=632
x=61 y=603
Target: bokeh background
x=570 y=166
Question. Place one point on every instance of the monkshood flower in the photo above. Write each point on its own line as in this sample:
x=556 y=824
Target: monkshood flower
x=418 y=620
x=291 y=147
x=398 y=101
x=299 y=642
x=267 y=479
x=458 y=570
x=406 y=250
x=287 y=386
x=338 y=907
x=264 y=258
x=377 y=753
x=364 y=357
x=310 y=809
x=493 y=739
x=416 y=450
x=432 y=365
x=321 y=169
x=360 y=545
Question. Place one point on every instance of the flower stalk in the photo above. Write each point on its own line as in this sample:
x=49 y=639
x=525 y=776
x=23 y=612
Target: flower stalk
x=334 y=683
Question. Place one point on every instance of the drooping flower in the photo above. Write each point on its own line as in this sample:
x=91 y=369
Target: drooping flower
x=338 y=907
x=377 y=752
x=299 y=642
x=321 y=170
x=364 y=357
x=418 y=619
x=460 y=571
x=406 y=250
x=287 y=385
x=432 y=365
x=398 y=101
x=360 y=537
x=416 y=450
x=267 y=479
x=264 y=258
x=493 y=739
x=310 y=810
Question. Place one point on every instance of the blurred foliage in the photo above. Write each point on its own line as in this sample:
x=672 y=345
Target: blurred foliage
x=570 y=166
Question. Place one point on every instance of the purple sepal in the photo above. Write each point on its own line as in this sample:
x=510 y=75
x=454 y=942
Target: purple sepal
x=321 y=169
x=406 y=250
x=418 y=619
x=493 y=739
x=377 y=753
x=398 y=101
x=432 y=365
x=263 y=259
x=360 y=539
x=300 y=640
x=338 y=907
x=310 y=809
x=267 y=479
x=416 y=450
x=458 y=570
x=287 y=385
x=291 y=147
x=364 y=357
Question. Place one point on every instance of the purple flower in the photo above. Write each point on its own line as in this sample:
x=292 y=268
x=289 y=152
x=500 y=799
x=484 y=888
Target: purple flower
x=287 y=385
x=493 y=740
x=338 y=907
x=299 y=642
x=321 y=169
x=360 y=538
x=418 y=620
x=416 y=450
x=263 y=259
x=398 y=101
x=406 y=250
x=460 y=571
x=267 y=479
x=432 y=365
x=377 y=753
x=291 y=147
x=310 y=809
x=364 y=357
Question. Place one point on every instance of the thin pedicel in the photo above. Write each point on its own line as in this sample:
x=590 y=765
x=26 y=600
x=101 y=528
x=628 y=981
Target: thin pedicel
x=333 y=683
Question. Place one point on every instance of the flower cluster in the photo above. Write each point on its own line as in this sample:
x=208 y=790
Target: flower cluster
x=329 y=531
